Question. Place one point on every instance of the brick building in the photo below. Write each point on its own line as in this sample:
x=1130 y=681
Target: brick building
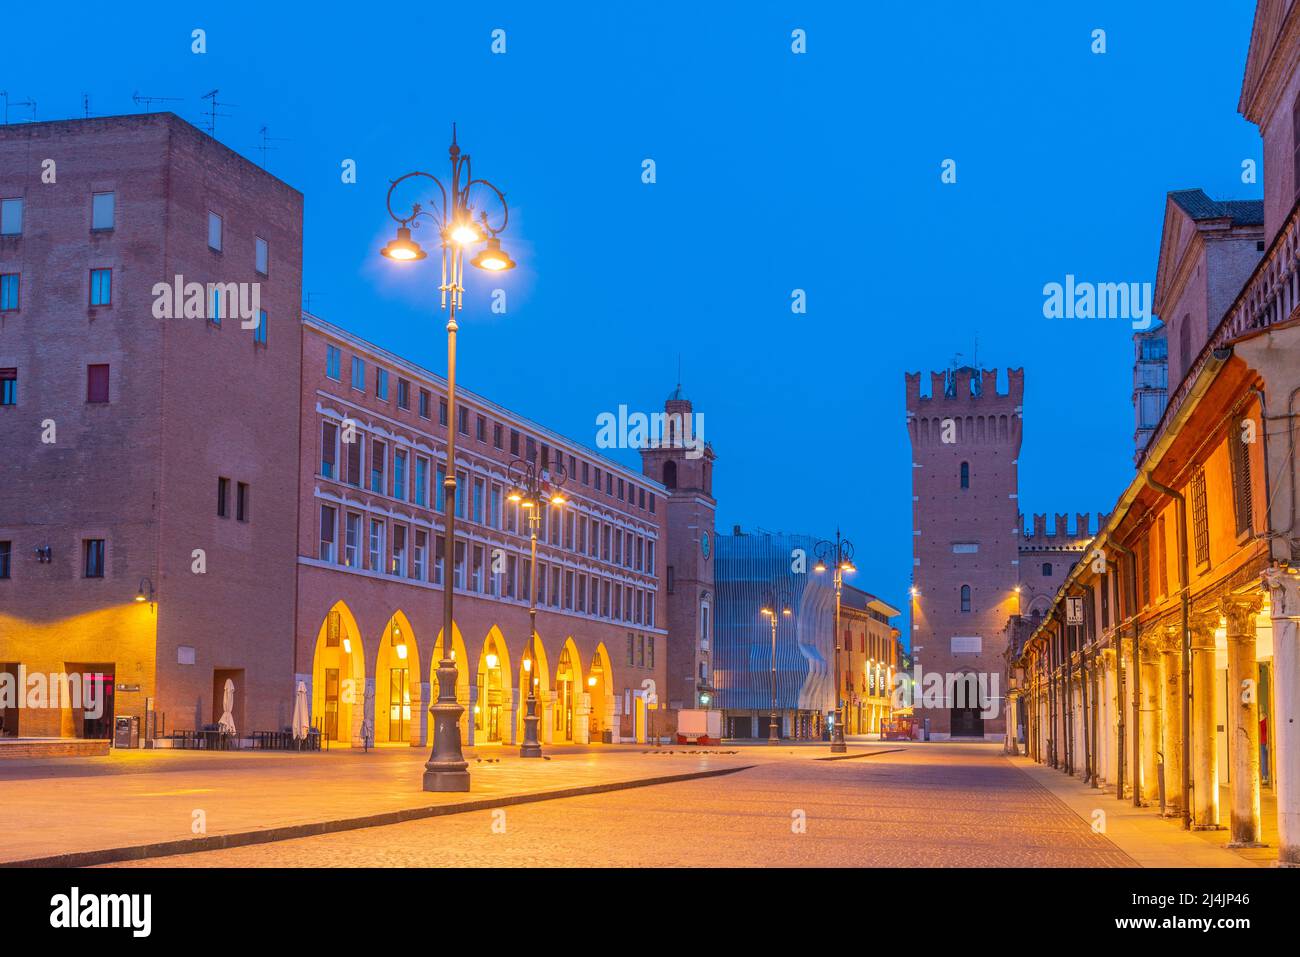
x=975 y=566
x=190 y=500
x=1180 y=686
x=121 y=430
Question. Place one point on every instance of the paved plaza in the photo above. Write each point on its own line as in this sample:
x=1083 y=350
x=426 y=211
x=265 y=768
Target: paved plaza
x=886 y=805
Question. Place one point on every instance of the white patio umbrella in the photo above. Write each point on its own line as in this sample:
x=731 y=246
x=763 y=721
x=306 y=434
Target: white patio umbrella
x=301 y=721
x=227 y=722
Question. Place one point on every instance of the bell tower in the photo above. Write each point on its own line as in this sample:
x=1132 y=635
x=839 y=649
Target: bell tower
x=682 y=461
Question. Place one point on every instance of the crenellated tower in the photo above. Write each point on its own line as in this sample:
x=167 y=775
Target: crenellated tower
x=965 y=436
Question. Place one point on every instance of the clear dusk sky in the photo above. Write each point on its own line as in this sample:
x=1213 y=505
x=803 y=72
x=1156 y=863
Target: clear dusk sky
x=775 y=172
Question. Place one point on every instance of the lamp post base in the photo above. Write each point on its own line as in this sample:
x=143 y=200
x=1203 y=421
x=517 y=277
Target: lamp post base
x=446 y=779
x=772 y=736
x=446 y=769
x=531 y=747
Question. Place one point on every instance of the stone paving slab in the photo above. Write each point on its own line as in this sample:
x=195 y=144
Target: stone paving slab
x=1152 y=841
x=140 y=803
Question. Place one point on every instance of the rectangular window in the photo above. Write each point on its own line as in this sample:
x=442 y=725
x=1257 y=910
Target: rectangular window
x=580 y=599
x=358 y=373
x=1239 y=460
x=512 y=571
x=404 y=394
x=476 y=582
x=514 y=441
x=421 y=496
x=631 y=649
x=326 y=533
x=640 y=651
x=1200 y=518
x=439 y=489
x=102 y=210
x=6 y=549
x=375 y=558
x=260 y=255
x=650 y=652
x=1144 y=571
x=101 y=287
x=398 y=564
x=425 y=400
x=241 y=501
x=378 y=461
x=9 y=292
x=8 y=386
x=420 y=555
x=494 y=506
x=555 y=587
x=329 y=436
x=11 y=217
x=442 y=412
x=462 y=420
x=480 y=428
x=97 y=383
x=439 y=554
x=1162 y=571
x=568 y=589
x=399 y=474
x=461 y=492
x=223 y=497
x=214 y=231
x=650 y=557
x=259 y=332
x=497 y=432
x=352 y=541
x=334 y=363
x=381 y=384
x=460 y=565
x=93 y=552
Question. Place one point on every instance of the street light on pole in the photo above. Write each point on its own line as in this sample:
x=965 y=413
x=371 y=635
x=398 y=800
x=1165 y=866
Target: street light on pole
x=778 y=599
x=460 y=224
x=531 y=490
x=836 y=554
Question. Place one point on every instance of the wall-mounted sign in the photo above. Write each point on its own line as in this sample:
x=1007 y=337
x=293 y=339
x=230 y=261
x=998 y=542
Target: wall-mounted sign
x=1073 y=610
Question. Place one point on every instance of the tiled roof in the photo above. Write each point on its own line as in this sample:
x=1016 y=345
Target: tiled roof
x=1242 y=212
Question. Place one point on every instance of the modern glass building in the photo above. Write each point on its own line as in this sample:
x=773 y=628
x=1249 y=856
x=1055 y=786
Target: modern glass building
x=759 y=567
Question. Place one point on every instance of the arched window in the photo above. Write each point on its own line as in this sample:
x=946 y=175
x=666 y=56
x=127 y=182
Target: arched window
x=965 y=475
x=965 y=597
x=670 y=475
x=1047 y=569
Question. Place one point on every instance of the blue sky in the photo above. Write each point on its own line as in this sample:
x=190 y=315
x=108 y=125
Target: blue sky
x=775 y=171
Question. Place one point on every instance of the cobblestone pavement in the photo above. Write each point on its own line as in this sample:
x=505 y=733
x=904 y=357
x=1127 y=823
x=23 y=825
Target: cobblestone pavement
x=932 y=805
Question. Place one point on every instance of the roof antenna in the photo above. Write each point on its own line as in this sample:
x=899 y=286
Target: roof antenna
x=148 y=101
x=212 y=111
x=265 y=146
x=27 y=102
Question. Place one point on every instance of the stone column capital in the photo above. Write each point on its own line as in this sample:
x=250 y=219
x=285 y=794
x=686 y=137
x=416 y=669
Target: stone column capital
x=1240 y=611
x=1202 y=623
x=1284 y=591
x=1171 y=639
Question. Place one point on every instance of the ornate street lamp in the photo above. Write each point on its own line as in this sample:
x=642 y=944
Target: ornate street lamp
x=461 y=222
x=837 y=554
x=776 y=605
x=531 y=489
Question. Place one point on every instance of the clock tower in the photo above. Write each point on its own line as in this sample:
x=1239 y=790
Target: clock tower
x=683 y=462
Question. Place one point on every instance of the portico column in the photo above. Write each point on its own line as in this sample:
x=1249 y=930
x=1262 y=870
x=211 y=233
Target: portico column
x=1284 y=598
x=1243 y=718
x=1171 y=717
x=1149 y=718
x=1205 y=768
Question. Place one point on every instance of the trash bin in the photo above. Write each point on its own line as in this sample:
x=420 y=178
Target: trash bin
x=126 y=731
x=607 y=737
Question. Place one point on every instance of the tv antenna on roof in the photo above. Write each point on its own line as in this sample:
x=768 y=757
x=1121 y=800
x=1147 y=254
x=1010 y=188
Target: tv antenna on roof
x=28 y=102
x=211 y=96
x=267 y=139
x=148 y=101
x=85 y=104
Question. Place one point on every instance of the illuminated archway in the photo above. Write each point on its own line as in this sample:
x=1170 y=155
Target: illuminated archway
x=492 y=704
x=535 y=668
x=338 y=676
x=397 y=683
x=600 y=684
x=462 y=679
x=568 y=685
